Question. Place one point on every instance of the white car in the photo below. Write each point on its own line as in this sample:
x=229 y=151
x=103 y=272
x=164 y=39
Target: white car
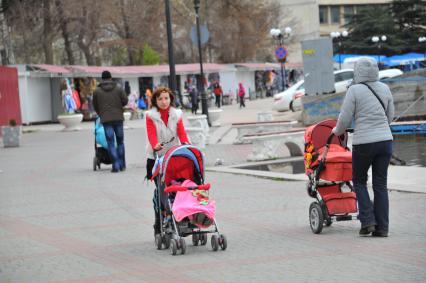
x=285 y=100
x=290 y=99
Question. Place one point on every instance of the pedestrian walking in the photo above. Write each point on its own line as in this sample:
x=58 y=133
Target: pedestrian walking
x=369 y=104
x=163 y=124
x=194 y=99
x=148 y=95
x=108 y=101
x=217 y=90
x=241 y=94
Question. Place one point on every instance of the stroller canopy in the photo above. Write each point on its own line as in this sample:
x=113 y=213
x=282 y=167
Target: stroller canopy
x=318 y=134
x=182 y=162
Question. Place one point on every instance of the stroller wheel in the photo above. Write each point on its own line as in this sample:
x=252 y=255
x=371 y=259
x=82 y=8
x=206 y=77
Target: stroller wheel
x=166 y=241
x=203 y=239
x=173 y=247
x=215 y=243
x=158 y=241
x=182 y=246
x=95 y=163
x=195 y=239
x=223 y=243
x=316 y=218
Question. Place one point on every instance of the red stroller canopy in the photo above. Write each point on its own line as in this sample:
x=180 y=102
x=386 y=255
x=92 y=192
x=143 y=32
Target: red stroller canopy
x=181 y=162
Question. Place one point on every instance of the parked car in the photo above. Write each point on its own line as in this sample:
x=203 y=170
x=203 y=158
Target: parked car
x=284 y=101
x=343 y=79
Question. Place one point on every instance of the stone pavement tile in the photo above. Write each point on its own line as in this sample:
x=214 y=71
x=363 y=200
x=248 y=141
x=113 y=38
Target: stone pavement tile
x=50 y=269
x=17 y=247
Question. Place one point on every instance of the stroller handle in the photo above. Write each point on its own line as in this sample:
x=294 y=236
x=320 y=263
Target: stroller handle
x=177 y=188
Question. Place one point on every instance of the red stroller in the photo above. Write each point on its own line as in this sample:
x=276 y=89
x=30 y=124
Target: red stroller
x=328 y=164
x=184 y=196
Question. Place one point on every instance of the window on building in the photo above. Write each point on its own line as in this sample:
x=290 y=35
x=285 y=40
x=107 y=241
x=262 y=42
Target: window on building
x=348 y=11
x=323 y=14
x=335 y=14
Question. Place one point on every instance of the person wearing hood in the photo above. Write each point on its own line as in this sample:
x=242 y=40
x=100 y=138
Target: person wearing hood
x=108 y=102
x=369 y=105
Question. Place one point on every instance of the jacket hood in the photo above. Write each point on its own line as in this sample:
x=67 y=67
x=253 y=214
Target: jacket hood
x=107 y=85
x=366 y=70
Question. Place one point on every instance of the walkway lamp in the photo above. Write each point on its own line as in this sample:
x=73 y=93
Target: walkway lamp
x=339 y=36
x=281 y=52
x=378 y=40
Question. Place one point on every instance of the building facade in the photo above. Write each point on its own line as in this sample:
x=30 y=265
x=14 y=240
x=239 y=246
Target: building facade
x=333 y=14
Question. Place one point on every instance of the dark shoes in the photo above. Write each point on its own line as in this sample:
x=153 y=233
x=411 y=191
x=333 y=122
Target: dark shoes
x=379 y=234
x=367 y=230
x=114 y=170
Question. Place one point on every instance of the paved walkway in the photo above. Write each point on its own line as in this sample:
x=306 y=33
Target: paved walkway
x=62 y=222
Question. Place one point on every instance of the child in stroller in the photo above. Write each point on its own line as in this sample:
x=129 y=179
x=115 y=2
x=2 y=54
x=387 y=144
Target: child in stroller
x=184 y=196
x=101 y=146
x=328 y=164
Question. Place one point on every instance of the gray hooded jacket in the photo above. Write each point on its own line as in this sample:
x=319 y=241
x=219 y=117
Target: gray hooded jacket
x=360 y=105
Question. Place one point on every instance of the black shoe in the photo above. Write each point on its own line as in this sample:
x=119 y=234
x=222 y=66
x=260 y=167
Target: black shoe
x=123 y=168
x=379 y=234
x=367 y=230
x=114 y=170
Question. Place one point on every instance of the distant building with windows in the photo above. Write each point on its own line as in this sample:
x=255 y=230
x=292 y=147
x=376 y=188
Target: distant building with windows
x=333 y=13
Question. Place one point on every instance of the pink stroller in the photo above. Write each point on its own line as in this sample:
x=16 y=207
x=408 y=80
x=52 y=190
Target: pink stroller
x=185 y=198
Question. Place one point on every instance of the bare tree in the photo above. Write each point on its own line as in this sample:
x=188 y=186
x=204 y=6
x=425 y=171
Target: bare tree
x=88 y=27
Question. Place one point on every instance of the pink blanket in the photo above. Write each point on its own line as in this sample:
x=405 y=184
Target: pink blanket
x=188 y=205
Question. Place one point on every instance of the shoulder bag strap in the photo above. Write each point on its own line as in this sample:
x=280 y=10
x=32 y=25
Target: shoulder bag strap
x=375 y=94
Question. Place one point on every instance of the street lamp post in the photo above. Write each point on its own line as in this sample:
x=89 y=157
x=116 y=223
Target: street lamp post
x=279 y=36
x=204 y=107
x=378 y=40
x=422 y=39
x=172 y=77
x=339 y=37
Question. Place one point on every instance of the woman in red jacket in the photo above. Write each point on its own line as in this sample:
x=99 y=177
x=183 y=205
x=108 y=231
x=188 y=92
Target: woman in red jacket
x=163 y=123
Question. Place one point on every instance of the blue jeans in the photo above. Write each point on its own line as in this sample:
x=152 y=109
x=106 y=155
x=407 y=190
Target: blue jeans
x=377 y=155
x=114 y=134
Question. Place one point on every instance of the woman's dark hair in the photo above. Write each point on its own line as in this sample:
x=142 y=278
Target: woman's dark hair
x=157 y=93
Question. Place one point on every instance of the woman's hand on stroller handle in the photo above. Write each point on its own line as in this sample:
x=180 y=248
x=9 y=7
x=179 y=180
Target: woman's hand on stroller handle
x=159 y=146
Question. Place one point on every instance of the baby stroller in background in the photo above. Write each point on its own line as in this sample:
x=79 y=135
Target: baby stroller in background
x=328 y=164
x=101 y=146
x=183 y=194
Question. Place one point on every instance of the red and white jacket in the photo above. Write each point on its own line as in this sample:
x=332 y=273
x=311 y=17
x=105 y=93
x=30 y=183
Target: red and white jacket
x=161 y=126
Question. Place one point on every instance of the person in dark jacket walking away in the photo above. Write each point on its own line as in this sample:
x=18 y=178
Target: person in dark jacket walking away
x=108 y=101
x=369 y=104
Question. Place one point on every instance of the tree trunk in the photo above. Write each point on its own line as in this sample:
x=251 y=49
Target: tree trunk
x=48 y=32
x=127 y=34
x=65 y=33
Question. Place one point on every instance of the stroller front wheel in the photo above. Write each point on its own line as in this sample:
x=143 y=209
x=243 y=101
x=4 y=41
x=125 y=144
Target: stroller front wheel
x=182 y=246
x=173 y=246
x=316 y=218
x=223 y=243
x=195 y=239
x=215 y=243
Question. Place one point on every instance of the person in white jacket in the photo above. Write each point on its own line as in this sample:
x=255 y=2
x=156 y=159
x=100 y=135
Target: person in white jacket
x=369 y=105
x=163 y=124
